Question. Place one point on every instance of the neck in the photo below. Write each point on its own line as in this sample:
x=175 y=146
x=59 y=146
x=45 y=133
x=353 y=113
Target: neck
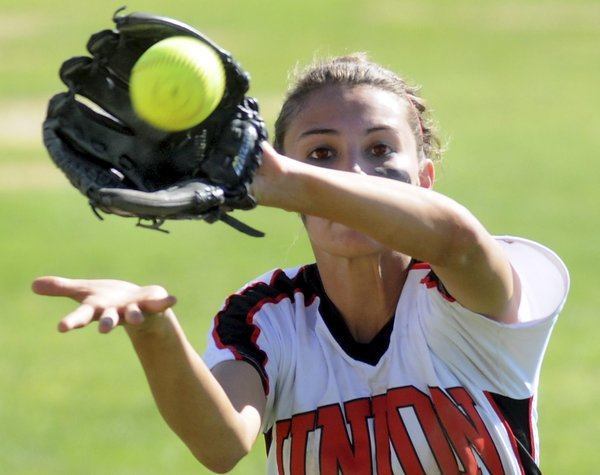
x=365 y=289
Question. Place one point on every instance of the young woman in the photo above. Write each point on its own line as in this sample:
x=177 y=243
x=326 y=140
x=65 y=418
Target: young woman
x=414 y=343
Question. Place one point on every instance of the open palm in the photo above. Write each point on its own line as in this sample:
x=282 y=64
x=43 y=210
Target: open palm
x=110 y=302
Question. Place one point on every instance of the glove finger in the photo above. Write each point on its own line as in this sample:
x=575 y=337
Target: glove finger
x=88 y=78
x=108 y=47
x=85 y=77
x=144 y=29
x=191 y=200
x=119 y=50
x=104 y=139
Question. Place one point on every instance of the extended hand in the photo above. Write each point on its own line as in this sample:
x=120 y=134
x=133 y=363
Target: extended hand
x=111 y=302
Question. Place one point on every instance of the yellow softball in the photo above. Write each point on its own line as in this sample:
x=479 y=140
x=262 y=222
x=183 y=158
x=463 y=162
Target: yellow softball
x=177 y=83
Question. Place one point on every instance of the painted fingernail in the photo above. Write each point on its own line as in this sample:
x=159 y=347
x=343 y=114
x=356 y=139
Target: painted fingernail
x=136 y=318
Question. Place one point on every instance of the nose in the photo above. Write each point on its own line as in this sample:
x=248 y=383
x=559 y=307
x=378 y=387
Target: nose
x=356 y=168
x=354 y=162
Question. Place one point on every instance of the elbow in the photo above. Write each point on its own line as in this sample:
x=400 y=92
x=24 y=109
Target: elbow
x=222 y=462
x=464 y=240
x=218 y=449
x=220 y=466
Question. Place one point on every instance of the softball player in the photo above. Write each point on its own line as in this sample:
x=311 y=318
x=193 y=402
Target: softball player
x=414 y=343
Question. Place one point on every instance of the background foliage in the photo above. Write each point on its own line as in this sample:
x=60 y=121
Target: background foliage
x=515 y=88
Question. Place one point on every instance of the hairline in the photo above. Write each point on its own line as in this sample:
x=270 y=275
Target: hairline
x=303 y=97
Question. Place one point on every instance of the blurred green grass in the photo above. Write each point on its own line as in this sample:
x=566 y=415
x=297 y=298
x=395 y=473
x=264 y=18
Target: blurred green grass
x=514 y=86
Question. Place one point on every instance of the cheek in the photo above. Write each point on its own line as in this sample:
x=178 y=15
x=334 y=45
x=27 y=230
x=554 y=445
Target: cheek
x=395 y=174
x=402 y=167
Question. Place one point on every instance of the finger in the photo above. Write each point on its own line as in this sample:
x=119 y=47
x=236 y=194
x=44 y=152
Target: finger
x=268 y=149
x=58 y=287
x=157 y=305
x=133 y=314
x=80 y=317
x=108 y=320
x=150 y=292
x=154 y=299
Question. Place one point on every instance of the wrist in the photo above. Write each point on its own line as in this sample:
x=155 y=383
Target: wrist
x=156 y=325
x=279 y=184
x=272 y=177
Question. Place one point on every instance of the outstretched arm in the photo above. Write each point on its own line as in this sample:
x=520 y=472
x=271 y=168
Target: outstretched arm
x=217 y=419
x=409 y=219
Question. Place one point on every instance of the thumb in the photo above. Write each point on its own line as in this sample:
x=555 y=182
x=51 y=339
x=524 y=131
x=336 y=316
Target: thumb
x=268 y=149
x=157 y=305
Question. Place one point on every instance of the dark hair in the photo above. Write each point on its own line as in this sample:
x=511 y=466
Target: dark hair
x=356 y=70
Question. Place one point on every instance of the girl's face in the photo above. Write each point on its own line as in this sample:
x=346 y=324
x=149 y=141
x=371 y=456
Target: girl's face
x=359 y=129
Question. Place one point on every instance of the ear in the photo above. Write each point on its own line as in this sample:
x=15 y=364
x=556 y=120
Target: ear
x=426 y=174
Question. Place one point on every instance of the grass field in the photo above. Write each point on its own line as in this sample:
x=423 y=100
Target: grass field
x=515 y=88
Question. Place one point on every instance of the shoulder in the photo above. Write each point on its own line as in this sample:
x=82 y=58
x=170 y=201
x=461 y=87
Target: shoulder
x=543 y=276
x=257 y=323
x=267 y=304
x=273 y=287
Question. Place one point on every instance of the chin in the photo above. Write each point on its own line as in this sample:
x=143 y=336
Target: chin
x=340 y=240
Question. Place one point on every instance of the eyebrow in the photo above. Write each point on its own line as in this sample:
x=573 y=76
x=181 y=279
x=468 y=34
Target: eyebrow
x=379 y=128
x=324 y=131
x=319 y=132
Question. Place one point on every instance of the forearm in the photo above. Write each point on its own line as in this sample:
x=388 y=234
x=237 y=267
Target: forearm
x=188 y=396
x=412 y=220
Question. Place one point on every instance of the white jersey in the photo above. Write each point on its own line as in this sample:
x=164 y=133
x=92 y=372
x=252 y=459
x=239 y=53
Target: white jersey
x=439 y=390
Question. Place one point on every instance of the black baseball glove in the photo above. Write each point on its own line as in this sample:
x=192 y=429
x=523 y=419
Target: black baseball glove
x=126 y=167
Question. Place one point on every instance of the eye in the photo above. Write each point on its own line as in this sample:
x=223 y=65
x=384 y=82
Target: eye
x=320 y=154
x=380 y=150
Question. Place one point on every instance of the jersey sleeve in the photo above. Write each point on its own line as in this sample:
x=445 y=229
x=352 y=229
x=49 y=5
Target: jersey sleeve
x=246 y=329
x=503 y=358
